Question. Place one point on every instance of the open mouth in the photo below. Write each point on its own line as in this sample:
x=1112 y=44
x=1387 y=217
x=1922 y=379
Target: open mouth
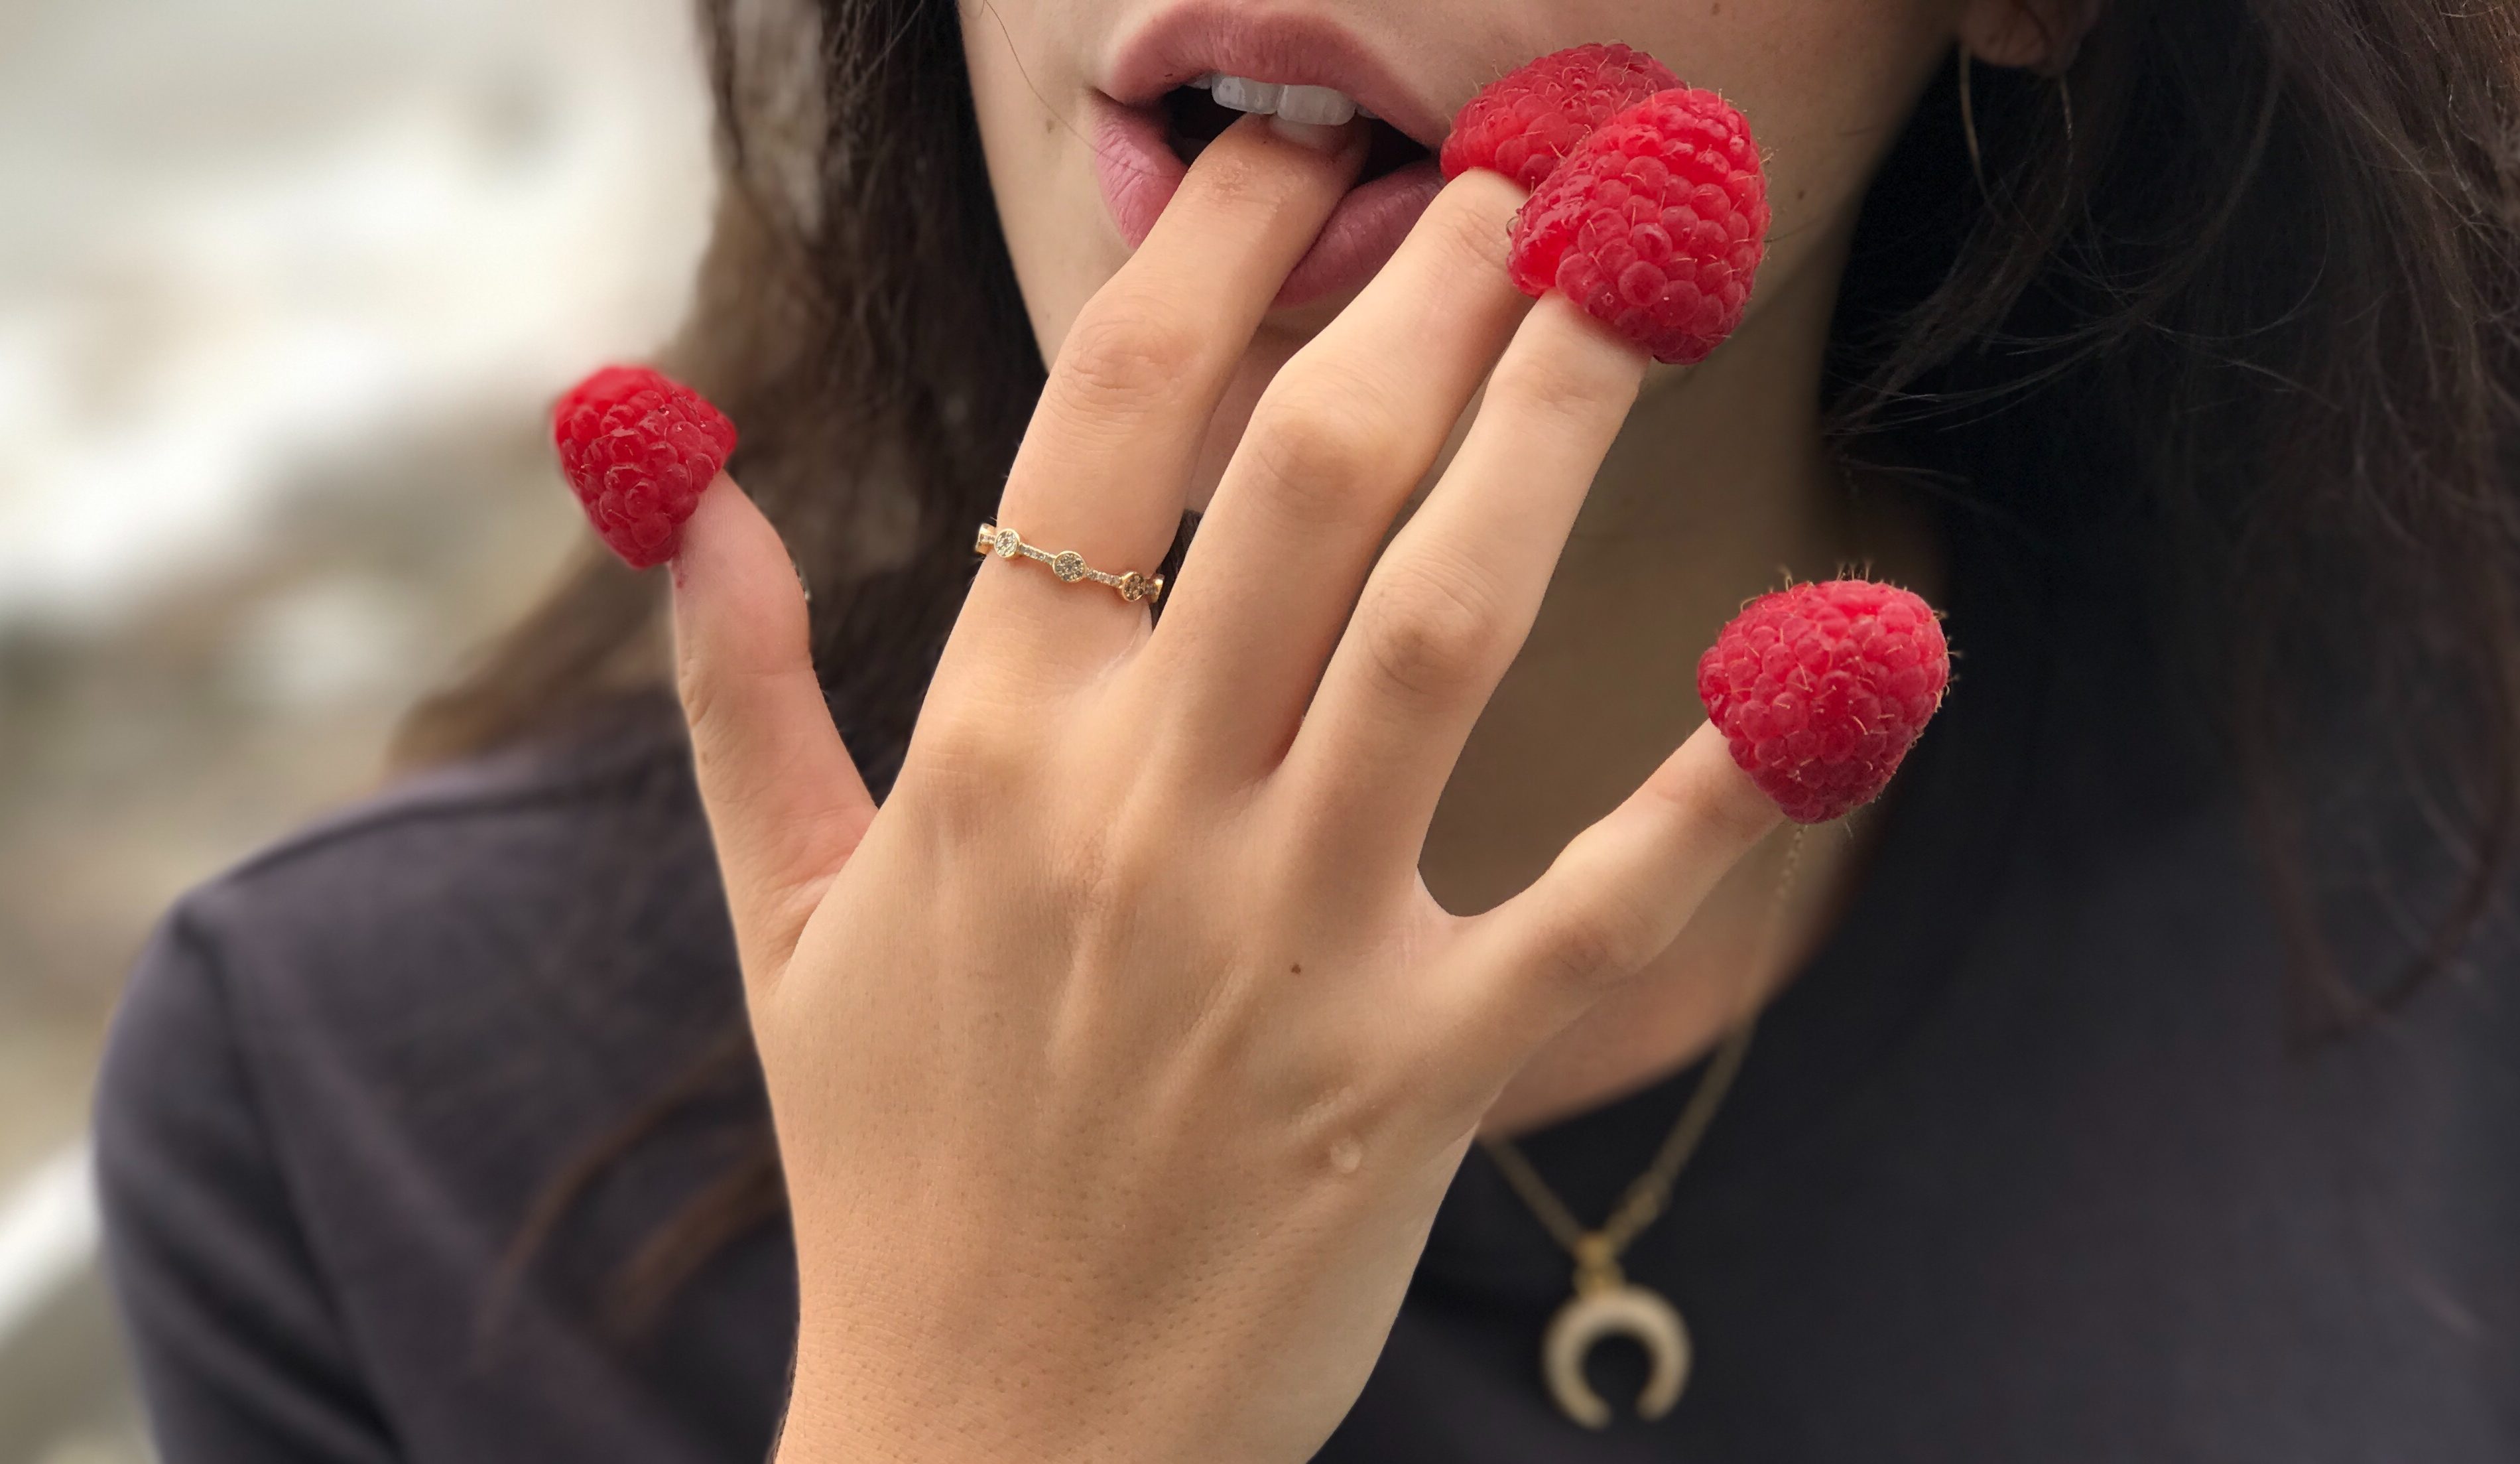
x=1193 y=117
x=1144 y=151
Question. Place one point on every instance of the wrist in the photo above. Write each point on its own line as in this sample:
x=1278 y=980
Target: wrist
x=876 y=1395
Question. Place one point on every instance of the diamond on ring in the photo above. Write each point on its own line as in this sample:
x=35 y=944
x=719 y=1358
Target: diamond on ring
x=1068 y=565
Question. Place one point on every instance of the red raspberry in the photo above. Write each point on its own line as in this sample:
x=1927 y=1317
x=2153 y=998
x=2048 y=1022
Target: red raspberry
x=1820 y=689
x=1527 y=120
x=1654 y=225
x=639 y=448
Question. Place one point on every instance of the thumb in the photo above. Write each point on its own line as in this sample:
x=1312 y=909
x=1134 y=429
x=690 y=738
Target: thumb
x=786 y=804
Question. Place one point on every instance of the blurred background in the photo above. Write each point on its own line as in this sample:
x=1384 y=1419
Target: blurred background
x=284 y=285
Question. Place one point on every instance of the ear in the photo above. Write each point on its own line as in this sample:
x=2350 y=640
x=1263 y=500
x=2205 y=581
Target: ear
x=2040 y=36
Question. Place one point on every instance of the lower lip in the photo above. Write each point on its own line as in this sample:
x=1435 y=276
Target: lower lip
x=1139 y=174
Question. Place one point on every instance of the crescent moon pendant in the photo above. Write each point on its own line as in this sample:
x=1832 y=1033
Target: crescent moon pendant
x=1615 y=1311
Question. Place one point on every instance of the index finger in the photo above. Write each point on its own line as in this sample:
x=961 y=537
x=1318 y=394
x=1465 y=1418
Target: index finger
x=1105 y=462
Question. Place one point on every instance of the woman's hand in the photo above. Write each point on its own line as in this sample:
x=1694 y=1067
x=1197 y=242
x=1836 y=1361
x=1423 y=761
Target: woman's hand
x=1120 y=1061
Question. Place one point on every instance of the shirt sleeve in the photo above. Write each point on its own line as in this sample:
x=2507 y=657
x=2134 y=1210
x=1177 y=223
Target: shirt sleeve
x=239 y=1347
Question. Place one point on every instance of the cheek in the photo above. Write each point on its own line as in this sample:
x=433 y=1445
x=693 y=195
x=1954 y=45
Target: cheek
x=1041 y=166
x=1827 y=85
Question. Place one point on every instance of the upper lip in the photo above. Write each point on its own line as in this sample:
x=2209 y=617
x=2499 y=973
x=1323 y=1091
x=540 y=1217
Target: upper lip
x=1188 y=41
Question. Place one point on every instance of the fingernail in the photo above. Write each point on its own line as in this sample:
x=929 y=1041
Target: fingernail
x=1321 y=137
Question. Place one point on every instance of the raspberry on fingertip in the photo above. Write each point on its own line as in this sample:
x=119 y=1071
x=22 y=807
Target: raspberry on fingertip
x=639 y=448
x=1820 y=690
x=1655 y=225
x=1525 y=123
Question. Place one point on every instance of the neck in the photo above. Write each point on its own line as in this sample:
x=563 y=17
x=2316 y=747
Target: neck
x=1720 y=485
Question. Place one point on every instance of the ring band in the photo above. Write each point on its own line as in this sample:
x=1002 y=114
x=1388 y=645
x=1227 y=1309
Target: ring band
x=1066 y=564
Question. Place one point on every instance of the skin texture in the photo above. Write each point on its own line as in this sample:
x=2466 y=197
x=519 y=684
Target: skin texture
x=1120 y=1061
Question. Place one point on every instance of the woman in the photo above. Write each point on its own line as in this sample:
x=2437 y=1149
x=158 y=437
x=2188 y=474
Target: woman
x=1135 y=1097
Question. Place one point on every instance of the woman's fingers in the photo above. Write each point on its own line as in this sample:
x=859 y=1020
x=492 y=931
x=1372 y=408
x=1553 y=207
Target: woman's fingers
x=1448 y=606
x=1615 y=897
x=1339 y=441
x=1105 y=462
x=786 y=804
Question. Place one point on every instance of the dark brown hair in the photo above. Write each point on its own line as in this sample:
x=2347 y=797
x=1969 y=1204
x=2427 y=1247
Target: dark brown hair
x=2244 y=272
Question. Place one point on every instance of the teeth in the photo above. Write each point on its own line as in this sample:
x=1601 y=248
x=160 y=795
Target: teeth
x=1319 y=105
x=1242 y=94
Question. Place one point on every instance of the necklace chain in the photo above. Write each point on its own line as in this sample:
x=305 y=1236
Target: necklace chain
x=1596 y=1252
x=1643 y=1202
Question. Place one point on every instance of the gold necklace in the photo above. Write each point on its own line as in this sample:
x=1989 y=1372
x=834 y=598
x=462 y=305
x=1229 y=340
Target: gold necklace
x=1606 y=1303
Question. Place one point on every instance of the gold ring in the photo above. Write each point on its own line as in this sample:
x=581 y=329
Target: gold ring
x=1066 y=564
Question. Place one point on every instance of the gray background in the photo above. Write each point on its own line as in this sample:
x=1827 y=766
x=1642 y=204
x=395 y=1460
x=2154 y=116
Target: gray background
x=284 y=287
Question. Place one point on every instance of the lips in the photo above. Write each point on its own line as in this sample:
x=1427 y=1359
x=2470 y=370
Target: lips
x=1149 y=120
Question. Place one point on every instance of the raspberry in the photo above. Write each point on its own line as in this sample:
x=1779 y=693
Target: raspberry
x=638 y=448
x=1527 y=120
x=1820 y=689
x=1654 y=225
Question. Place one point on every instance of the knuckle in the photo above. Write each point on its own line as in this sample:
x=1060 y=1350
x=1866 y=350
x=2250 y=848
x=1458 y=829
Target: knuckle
x=1311 y=447
x=952 y=742
x=1729 y=814
x=1472 y=225
x=1124 y=356
x=966 y=769
x=1588 y=947
x=1430 y=632
x=1555 y=386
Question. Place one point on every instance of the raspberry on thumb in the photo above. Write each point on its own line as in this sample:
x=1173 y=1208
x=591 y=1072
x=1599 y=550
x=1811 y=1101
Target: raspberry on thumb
x=639 y=448
x=1820 y=689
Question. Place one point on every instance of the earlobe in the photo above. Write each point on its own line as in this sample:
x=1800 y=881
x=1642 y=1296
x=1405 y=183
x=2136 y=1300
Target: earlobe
x=2040 y=36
